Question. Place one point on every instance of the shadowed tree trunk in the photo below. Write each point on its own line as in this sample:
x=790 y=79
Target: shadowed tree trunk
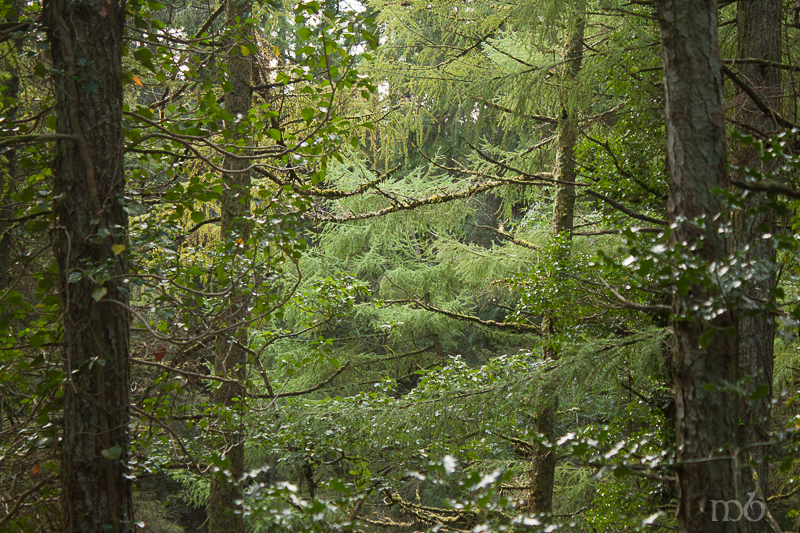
x=8 y=178
x=703 y=346
x=231 y=359
x=543 y=460
x=91 y=225
x=759 y=37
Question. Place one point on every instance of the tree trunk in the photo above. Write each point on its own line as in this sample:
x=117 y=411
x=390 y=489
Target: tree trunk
x=703 y=347
x=543 y=460
x=231 y=359
x=759 y=37
x=8 y=179
x=86 y=46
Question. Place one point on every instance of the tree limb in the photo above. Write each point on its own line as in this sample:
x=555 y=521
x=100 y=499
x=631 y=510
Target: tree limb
x=768 y=187
x=522 y=328
x=625 y=210
x=764 y=108
x=305 y=391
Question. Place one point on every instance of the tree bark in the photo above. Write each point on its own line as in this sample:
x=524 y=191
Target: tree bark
x=703 y=346
x=543 y=459
x=759 y=37
x=86 y=46
x=231 y=359
x=8 y=179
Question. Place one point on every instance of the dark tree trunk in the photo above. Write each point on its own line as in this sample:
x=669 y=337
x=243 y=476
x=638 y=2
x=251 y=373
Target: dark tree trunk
x=703 y=347
x=759 y=37
x=8 y=179
x=86 y=46
x=231 y=359
x=543 y=460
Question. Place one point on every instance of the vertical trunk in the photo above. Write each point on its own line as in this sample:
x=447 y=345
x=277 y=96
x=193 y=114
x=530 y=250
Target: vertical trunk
x=543 y=460
x=8 y=178
x=86 y=46
x=231 y=359
x=759 y=32
x=703 y=347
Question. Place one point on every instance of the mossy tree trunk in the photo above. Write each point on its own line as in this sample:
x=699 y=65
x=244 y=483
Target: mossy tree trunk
x=543 y=459
x=86 y=46
x=703 y=346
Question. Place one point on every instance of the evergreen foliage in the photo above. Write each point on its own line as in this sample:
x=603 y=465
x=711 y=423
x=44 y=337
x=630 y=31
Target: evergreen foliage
x=391 y=270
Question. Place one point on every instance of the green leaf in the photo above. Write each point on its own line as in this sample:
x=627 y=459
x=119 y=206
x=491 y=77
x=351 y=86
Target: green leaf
x=38 y=225
x=308 y=113
x=304 y=33
x=622 y=471
x=112 y=453
x=705 y=338
x=37 y=340
x=118 y=249
x=245 y=50
x=145 y=57
x=760 y=392
x=99 y=293
x=198 y=217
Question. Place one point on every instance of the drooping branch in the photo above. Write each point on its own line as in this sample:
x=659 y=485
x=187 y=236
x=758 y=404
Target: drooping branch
x=516 y=240
x=538 y=118
x=630 y=213
x=330 y=194
x=308 y=390
x=407 y=205
x=759 y=103
x=540 y=176
x=521 y=328
x=607 y=147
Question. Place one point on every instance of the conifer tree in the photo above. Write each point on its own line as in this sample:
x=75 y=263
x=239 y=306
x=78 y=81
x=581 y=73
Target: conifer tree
x=758 y=46
x=565 y=175
x=86 y=40
x=703 y=343
x=224 y=513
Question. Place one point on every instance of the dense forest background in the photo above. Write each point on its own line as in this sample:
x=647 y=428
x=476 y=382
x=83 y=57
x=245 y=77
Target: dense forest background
x=399 y=265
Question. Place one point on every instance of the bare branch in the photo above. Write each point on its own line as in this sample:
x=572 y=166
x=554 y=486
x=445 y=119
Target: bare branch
x=764 y=108
x=305 y=391
x=625 y=210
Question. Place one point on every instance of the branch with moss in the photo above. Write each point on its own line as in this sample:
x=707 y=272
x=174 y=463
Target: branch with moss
x=769 y=187
x=310 y=190
x=305 y=391
x=412 y=204
x=627 y=211
x=517 y=328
